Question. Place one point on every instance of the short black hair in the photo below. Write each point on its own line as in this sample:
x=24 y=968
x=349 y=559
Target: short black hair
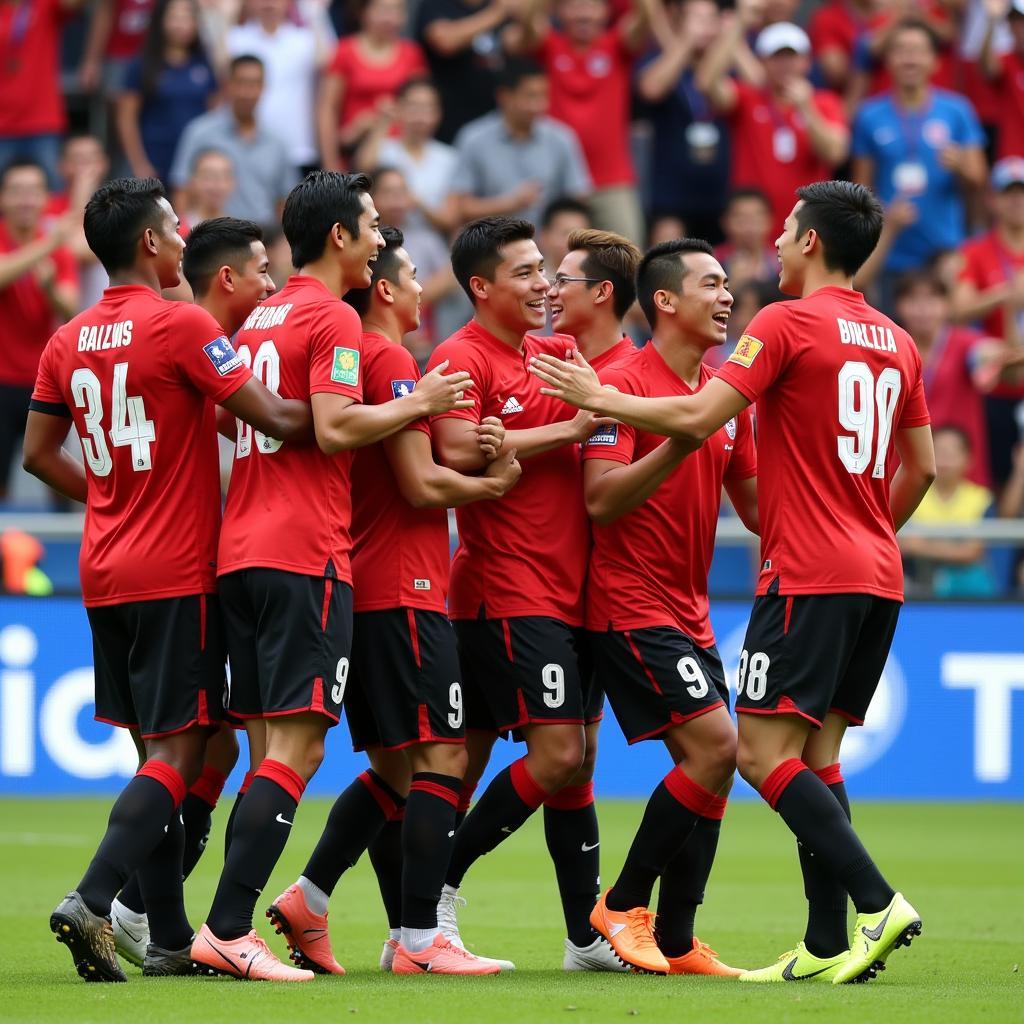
x=246 y=58
x=913 y=25
x=321 y=200
x=911 y=280
x=117 y=215
x=738 y=194
x=848 y=219
x=663 y=269
x=416 y=82
x=953 y=428
x=515 y=70
x=385 y=268
x=213 y=243
x=209 y=151
x=476 y=251
x=21 y=163
x=565 y=204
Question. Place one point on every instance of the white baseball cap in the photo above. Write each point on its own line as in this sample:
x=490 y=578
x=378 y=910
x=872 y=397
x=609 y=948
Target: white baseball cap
x=784 y=35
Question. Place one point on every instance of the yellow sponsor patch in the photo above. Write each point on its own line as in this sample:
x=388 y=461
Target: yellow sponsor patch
x=746 y=350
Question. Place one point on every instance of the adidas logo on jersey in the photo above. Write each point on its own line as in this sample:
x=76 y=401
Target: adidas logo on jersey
x=511 y=406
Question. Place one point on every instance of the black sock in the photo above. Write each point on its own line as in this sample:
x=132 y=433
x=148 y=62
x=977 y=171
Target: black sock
x=465 y=799
x=571 y=831
x=819 y=822
x=682 y=888
x=671 y=815
x=197 y=817
x=261 y=831
x=131 y=895
x=357 y=816
x=230 y=827
x=427 y=845
x=827 y=900
x=508 y=801
x=135 y=826
x=160 y=878
x=386 y=857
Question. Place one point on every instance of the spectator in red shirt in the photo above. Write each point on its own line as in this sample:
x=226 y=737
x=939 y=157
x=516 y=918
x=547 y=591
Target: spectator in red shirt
x=361 y=83
x=32 y=115
x=786 y=133
x=991 y=291
x=115 y=38
x=589 y=63
x=1006 y=72
x=835 y=29
x=38 y=292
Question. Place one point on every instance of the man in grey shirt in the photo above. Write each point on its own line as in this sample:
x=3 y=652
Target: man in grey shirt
x=517 y=160
x=263 y=174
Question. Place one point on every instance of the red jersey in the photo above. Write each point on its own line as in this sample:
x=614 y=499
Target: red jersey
x=987 y=263
x=650 y=567
x=131 y=18
x=27 y=315
x=620 y=351
x=289 y=505
x=833 y=380
x=1010 y=111
x=590 y=92
x=30 y=68
x=527 y=553
x=400 y=553
x=836 y=26
x=366 y=82
x=140 y=376
x=772 y=148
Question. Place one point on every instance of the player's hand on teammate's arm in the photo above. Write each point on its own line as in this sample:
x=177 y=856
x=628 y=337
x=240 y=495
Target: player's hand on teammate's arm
x=284 y=419
x=585 y=423
x=504 y=471
x=437 y=392
x=490 y=433
x=573 y=380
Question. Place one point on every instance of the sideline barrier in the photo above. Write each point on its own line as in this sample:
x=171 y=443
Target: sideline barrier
x=946 y=724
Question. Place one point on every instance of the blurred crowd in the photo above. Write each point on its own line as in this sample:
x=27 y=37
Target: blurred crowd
x=652 y=118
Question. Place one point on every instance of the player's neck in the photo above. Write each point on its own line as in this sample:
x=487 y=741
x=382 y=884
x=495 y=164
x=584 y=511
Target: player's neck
x=217 y=306
x=380 y=323
x=682 y=355
x=329 y=274
x=913 y=97
x=1011 y=235
x=821 y=277
x=511 y=337
x=597 y=339
x=136 y=276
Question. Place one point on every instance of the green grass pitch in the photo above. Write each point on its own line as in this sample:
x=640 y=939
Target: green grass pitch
x=961 y=865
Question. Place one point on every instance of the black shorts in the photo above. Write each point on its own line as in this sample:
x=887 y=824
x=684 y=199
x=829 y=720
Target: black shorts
x=520 y=671
x=405 y=686
x=13 y=413
x=593 y=691
x=811 y=654
x=657 y=677
x=159 y=664
x=289 y=638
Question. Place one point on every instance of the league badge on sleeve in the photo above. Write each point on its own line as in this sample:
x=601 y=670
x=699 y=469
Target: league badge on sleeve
x=222 y=355
x=608 y=436
x=746 y=350
x=346 y=366
x=402 y=388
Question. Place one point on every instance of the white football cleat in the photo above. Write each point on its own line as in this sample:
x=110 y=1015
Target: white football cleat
x=131 y=933
x=448 y=923
x=598 y=956
x=387 y=954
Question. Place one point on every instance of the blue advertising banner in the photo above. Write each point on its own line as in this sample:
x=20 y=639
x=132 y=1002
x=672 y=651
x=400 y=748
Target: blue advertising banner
x=947 y=722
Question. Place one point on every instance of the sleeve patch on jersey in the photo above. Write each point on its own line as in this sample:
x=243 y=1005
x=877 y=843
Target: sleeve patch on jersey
x=346 y=366
x=402 y=388
x=608 y=435
x=746 y=350
x=222 y=355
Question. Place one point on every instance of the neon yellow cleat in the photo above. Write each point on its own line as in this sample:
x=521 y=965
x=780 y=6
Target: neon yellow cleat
x=875 y=936
x=798 y=965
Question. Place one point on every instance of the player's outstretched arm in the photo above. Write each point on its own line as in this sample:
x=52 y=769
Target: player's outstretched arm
x=915 y=474
x=341 y=424
x=44 y=457
x=611 y=489
x=425 y=484
x=286 y=419
x=692 y=418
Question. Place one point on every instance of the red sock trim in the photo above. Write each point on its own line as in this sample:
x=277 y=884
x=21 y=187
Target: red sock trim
x=388 y=806
x=693 y=796
x=287 y=778
x=527 y=788
x=247 y=781
x=465 y=799
x=399 y=814
x=780 y=777
x=209 y=786
x=168 y=777
x=831 y=775
x=571 y=798
x=449 y=796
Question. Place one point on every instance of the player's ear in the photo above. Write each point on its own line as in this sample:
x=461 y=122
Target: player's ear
x=384 y=290
x=478 y=286
x=339 y=236
x=226 y=279
x=149 y=242
x=810 y=241
x=604 y=293
x=665 y=301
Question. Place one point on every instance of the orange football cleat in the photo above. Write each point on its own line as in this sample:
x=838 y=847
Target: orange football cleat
x=441 y=957
x=631 y=934
x=305 y=932
x=702 y=959
x=248 y=958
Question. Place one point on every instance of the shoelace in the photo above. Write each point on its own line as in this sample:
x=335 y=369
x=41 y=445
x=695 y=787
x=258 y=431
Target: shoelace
x=447 y=920
x=262 y=949
x=705 y=950
x=641 y=926
x=459 y=951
